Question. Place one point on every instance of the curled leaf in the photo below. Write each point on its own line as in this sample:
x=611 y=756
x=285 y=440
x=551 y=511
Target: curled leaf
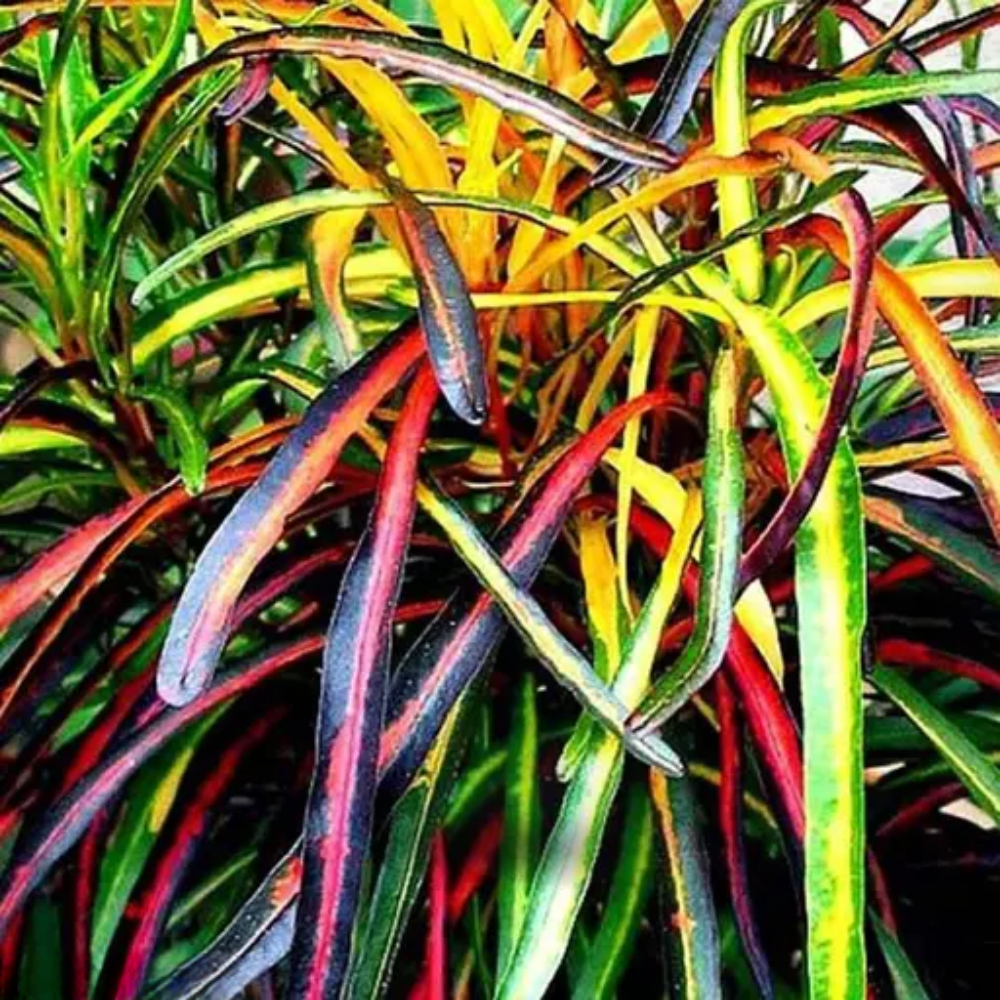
x=203 y=617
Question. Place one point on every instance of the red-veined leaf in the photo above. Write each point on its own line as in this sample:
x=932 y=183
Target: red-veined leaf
x=731 y=827
x=258 y=938
x=447 y=656
x=341 y=803
x=447 y=316
x=23 y=687
x=128 y=965
x=202 y=621
x=431 y=60
x=61 y=826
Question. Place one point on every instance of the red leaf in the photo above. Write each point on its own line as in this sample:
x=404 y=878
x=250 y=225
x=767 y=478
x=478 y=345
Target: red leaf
x=352 y=706
x=203 y=619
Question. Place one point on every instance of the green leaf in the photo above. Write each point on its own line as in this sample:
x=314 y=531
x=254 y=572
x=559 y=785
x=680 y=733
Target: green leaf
x=185 y=432
x=969 y=763
x=42 y=952
x=631 y=886
x=130 y=94
x=150 y=798
x=401 y=872
x=693 y=953
x=830 y=594
x=564 y=873
x=721 y=546
x=845 y=96
x=19 y=439
x=522 y=820
x=567 y=864
x=553 y=650
x=737 y=195
x=905 y=979
x=196 y=308
x=652 y=278
x=311 y=203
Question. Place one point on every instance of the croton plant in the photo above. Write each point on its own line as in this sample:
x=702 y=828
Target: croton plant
x=499 y=499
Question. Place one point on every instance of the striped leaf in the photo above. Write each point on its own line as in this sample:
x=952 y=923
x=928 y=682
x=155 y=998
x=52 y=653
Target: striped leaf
x=969 y=763
x=340 y=810
x=690 y=924
x=447 y=316
x=723 y=491
x=202 y=620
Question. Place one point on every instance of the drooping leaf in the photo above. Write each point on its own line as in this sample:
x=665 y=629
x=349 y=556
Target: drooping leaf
x=445 y=658
x=566 y=868
x=855 y=347
x=689 y=58
x=201 y=622
x=447 y=316
x=970 y=425
x=569 y=668
x=432 y=60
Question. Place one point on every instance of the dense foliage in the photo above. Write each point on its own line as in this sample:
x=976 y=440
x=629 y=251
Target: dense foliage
x=340 y=338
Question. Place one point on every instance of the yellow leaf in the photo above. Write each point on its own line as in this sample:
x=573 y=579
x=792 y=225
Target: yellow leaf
x=597 y=564
x=166 y=792
x=666 y=496
x=644 y=340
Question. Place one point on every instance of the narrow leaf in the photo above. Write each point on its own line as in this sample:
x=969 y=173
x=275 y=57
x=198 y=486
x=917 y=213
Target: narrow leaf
x=830 y=589
x=691 y=930
x=186 y=432
x=444 y=659
x=433 y=61
x=447 y=316
x=401 y=871
x=689 y=58
x=631 y=886
x=341 y=805
x=522 y=812
x=56 y=831
x=969 y=763
x=137 y=939
x=258 y=937
x=723 y=488
x=202 y=620
x=905 y=978
x=566 y=868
